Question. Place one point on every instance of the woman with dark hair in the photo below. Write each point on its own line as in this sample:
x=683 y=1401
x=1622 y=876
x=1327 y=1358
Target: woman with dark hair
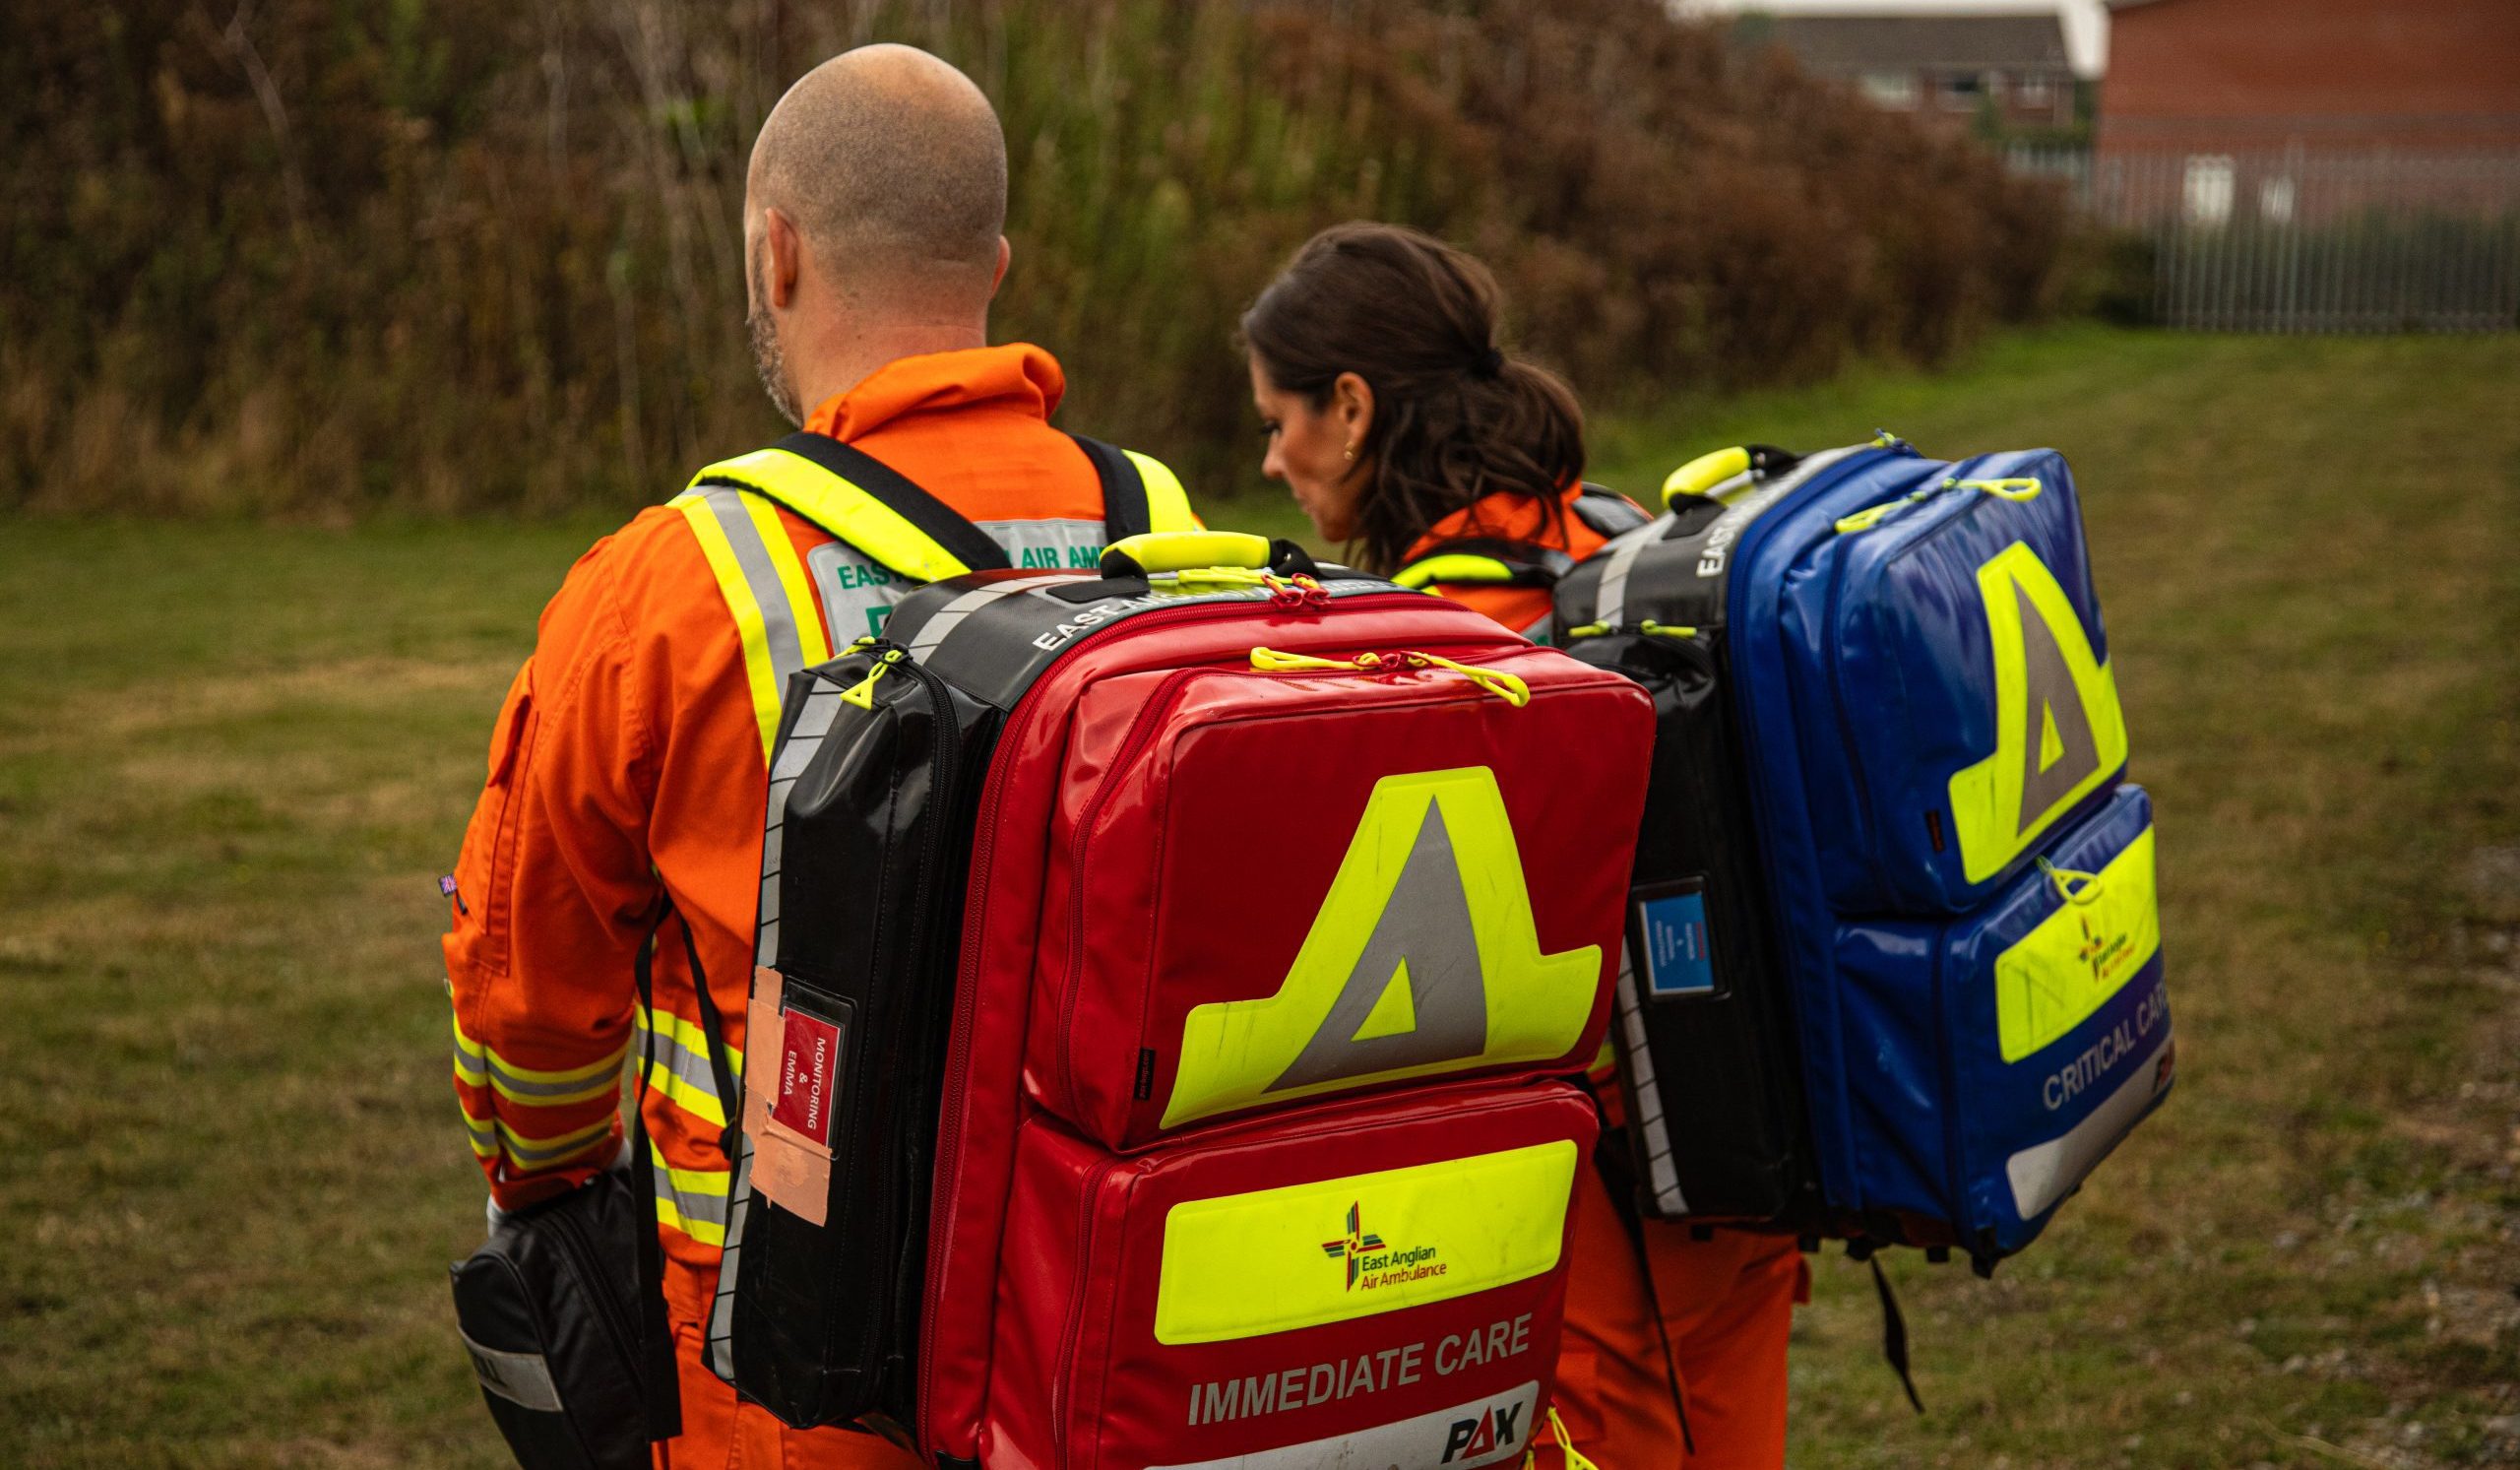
x=1409 y=435
x=1403 y=428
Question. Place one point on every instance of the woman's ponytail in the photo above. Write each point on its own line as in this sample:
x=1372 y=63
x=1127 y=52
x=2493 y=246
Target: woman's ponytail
x=1456 y=420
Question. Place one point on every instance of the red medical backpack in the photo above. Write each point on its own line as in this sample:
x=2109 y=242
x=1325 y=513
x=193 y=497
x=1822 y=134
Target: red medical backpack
x=1168 y=980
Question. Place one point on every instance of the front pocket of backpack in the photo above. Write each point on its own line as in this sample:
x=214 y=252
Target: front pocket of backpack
x=1343 y=1284
x=1994 y=1058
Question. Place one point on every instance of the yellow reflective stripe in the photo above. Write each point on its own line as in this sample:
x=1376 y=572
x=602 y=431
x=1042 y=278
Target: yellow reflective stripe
x=690 y=1094
x=1482 y=991
x=485 y=1134
x=2058 y=973
x=532 y=1153
x=1273 y=1260
x=840 y=508
x=812 y=643
x=759 y=674
x=1453 y=567
x=1168 y=505
x=691 y=1201
x=480 y=1065
x=689 y=1035
x=471 y=1059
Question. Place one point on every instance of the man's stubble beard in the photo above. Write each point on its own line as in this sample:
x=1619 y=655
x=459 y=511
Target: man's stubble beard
x=766 y=356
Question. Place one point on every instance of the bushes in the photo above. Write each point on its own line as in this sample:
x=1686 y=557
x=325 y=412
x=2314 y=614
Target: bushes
x=451 y=254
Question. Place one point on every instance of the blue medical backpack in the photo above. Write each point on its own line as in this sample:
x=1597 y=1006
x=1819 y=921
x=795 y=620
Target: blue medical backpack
x=1894 y=968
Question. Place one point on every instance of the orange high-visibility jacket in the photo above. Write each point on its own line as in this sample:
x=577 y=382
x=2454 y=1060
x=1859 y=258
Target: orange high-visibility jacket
x=629 y=764
x=1725 y=1305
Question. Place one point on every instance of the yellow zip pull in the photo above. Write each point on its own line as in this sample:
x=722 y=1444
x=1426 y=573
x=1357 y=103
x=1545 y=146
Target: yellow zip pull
x=1872 y=515
x=1667 y=629
x=863 y=693
x=1575 y=1458
x=1271 y=660
x=1503 y=685
x=2072 y=885
x=2022 y=487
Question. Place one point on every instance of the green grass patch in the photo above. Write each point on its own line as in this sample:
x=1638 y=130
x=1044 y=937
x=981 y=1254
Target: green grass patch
x=233 y=757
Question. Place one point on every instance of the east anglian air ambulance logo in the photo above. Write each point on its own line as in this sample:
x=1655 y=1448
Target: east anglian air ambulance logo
x=1354 y=1246
x=1422 y=959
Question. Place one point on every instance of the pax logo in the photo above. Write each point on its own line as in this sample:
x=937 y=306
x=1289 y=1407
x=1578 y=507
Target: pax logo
x=1490 y=1431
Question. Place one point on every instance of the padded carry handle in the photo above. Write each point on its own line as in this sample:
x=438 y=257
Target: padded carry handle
x=1700 y=476
x=1195 y=550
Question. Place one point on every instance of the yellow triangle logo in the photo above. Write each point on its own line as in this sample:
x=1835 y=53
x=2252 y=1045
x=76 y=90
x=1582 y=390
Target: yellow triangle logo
x=1422 y=959
x=1393 y=1014
x=2058 y=731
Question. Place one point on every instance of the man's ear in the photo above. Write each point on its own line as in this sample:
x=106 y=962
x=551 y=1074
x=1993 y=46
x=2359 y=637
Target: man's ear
x=1005 y=253
x=786 y=257
x=1352 y=398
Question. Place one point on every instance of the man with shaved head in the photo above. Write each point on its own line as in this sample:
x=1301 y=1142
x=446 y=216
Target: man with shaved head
x=629 y=769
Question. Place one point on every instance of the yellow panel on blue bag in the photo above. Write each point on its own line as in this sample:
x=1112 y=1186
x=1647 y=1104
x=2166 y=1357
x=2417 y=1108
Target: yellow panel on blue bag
x=1273 y=1260
x=2059 y=728
x=2067 y=968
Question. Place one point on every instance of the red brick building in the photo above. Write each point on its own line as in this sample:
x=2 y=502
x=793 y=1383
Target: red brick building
x=2237 y=77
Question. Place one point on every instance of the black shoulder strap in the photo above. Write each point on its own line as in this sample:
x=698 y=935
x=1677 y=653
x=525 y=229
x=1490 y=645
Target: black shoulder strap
x=941 y=523
x=660 y=1379
x=1124 y=508
x=1607 y=511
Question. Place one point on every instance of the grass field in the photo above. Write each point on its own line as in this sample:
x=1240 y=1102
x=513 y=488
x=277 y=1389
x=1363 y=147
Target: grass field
x=233 y=757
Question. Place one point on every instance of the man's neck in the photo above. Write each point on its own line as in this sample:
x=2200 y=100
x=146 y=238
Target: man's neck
x=850 y=359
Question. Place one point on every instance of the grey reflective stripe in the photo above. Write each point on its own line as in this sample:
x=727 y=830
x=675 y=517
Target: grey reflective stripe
x=1612 y=606
x=1638 y=1059
x=2050 y=693
x=524 y=1151
x=1425 y=933
x=804 y=738
x=951 y=615
x=777 y=618
x=721 y=1337
x=705 y=1206
x=2047 y=1173
x=509 y=1084
x=688 y=1068
x=522 y=1378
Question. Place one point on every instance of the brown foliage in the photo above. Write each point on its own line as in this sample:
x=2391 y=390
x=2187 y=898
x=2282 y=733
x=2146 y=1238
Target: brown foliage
x=453 y=254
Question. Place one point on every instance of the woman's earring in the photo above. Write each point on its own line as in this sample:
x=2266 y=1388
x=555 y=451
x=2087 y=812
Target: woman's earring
x=1351 y=452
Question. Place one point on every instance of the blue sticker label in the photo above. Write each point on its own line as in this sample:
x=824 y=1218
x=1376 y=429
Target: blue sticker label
x=1675 y=960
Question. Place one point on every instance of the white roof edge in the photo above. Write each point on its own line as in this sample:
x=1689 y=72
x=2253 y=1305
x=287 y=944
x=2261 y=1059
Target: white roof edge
x=2085 y=21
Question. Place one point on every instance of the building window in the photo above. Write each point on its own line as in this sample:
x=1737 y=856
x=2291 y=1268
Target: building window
x=2031 y=89
x=2275 y=199
x=2208 y=189
x=1891 y=88
x=1960 y=92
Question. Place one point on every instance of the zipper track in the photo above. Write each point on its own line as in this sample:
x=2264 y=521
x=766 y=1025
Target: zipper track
x=575 y=1244
x=949 y=1130
x=1142 y=730
x=1074 y=1322
x=1877 y=819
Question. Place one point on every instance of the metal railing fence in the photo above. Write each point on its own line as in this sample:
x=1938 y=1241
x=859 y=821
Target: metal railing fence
x=2309 y=240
